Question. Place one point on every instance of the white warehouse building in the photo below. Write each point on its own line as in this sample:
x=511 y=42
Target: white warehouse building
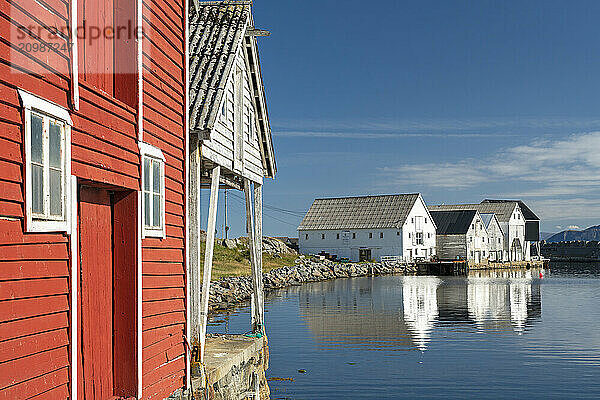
x=369 y=228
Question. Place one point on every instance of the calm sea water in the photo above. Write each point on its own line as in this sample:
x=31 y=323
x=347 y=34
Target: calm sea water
x=503 y=335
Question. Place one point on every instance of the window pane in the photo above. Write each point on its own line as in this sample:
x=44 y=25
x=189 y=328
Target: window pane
x=156 y=209
x=147 y=209
x=55 y=192
x=156 y=175
x=37 y=153
x=55 y=142
x=146 y=174
x=37 y=189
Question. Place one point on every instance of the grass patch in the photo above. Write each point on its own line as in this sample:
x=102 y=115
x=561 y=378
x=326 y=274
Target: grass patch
x=236 y=262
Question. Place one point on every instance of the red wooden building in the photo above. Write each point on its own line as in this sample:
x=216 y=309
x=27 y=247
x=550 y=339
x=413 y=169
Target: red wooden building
x=93 y=134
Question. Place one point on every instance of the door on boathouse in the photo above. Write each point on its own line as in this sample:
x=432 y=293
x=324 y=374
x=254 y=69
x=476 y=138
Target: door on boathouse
x=107 y=294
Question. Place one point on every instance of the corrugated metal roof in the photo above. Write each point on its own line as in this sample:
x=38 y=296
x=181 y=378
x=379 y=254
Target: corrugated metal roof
x=502 y=210
x=453 y=222
x=527 y=212
x=217 y=30
x=386 y=211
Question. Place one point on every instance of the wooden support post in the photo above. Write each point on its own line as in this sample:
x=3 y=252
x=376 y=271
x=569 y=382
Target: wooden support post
x=208 y=255
x=258 y=235
x=194 y=275
x=252 y=247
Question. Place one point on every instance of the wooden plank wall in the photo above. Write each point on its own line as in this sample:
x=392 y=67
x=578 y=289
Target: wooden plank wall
x=221 y=146
x=34 y=268
x=163 y=268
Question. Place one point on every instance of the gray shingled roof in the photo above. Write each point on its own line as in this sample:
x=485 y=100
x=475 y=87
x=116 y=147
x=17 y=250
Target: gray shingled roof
x=386 y=211
x=502 y=210
x=453 y=222
x=527 y=212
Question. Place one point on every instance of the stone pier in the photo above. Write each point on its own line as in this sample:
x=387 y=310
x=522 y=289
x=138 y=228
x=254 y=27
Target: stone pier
x=234 y=368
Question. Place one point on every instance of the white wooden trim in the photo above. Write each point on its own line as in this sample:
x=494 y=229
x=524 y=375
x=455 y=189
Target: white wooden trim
x=48 y=110
x=33 y=102
x=149 y=150
x=208 y=255
x=186 y=132
x=154 y=153
x=74 y=288
x=74 y=55
x=140 y=49
x=138 y=288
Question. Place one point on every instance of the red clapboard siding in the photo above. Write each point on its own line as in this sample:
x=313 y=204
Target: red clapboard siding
x=159 y=334
x=32 y=269
x=10 y=191
x=11 y=171
x=34 y=84
x=11 y=209
x=162 y=307
x=152 y=91
x=28 y=345
x=157 y=321
x=153 y=67
x=162 y=293
x=11 y=151
x=163 y=277
x=10 y=290
x=30 y=326
x=29 y=64
x=61 y=392
x=154 y=268
x=36 y=385
x=38 y=364
x=169 y=339
x=154 y=282
x=156 y=85
x=163 y=388
x=97 y=174
x=164 y=370
x=169 y=18
x=47 y=251
x=23 y=308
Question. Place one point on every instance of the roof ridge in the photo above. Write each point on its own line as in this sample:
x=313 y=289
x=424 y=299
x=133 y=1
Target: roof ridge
x=366 y=196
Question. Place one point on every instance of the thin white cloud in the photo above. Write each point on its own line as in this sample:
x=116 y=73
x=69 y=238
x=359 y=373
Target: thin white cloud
x=378 y=135
x=555 y=175
x=456 y=127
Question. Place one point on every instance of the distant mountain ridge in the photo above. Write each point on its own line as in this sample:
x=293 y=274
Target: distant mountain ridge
x=591 y=233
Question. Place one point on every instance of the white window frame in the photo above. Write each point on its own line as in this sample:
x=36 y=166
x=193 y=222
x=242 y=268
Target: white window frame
x=154 y=154
x=33 y=223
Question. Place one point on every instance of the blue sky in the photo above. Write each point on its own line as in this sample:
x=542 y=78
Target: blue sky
x=458 y=100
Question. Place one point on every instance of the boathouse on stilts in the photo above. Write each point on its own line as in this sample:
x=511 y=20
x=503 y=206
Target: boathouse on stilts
x=230 y=140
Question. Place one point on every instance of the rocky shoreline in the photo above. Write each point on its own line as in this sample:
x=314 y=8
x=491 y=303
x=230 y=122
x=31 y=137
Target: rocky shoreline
x=230 y=292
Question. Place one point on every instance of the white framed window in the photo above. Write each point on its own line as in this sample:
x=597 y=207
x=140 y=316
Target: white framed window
x=153 y=191
x=306 y=236
x=47 y=165
x=419 y=238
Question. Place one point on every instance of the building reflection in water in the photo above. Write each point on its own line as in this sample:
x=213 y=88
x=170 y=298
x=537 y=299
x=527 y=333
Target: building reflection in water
x=403 y=312
x=419 y=301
